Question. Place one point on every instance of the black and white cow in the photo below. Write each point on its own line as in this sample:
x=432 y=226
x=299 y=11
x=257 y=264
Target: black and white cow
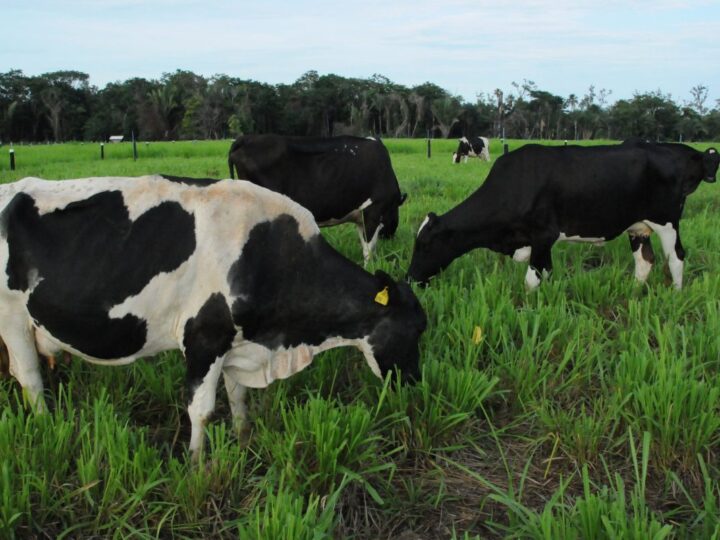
x=478 y=147
x=339 y=179
x=234 y=275
x=538 y=195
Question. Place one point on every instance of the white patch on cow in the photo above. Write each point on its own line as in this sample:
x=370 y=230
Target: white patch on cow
x=371 y=138
x=485 y=152
x=202 y=405
x=639 y=229
x=463 y=139
x=642 y=267
x=425 y=222
x=368 y=247
x=712 y=151
x=454 y=157
x=522 y=254
x=532 y=280
x=668 y=238
x=590 y=240
x=146 y=192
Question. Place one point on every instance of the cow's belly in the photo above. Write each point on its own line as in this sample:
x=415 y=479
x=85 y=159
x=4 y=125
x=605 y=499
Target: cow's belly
x=256 y=366
x=640 y=228
x=354 y=216
x=582 y=239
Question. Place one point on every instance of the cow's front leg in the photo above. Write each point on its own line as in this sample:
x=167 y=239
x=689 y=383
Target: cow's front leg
x=236 y=396
x=369 y=230
x=540 y=263
x=207 y=338
x=202 y=402
x=24 y=364
x=672 y=248
x=643 y=255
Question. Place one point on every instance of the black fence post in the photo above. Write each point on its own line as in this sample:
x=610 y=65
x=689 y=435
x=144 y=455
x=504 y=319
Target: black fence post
x=102 y=150
x=429 y=150
x=505 y=148
x=134 y=146
x=12 y=159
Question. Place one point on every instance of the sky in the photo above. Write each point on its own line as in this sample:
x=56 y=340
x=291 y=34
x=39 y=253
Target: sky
x=466 y=47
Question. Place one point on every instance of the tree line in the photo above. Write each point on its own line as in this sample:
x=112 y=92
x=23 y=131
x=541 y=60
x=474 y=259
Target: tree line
x=63 y=105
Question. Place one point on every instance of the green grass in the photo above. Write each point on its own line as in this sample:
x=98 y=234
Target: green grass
x=588 y=409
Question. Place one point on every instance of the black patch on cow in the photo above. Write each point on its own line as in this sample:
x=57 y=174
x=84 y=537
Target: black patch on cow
x=283 y=295
x=197 y=182
x=638 y=241
x=290 y=291
x=207 y=337
x=87 y=257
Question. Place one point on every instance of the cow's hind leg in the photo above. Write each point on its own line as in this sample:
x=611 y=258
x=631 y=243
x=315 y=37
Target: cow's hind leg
x=540 y=262
x=236 y=396
x=643 y=254
x=673 y=249
x=24 y=364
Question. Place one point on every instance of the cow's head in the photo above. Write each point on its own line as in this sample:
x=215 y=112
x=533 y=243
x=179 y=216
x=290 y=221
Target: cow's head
x=462 y=150
x=433 y=250
x=394 y=339
x=391 y=216
x=711 y=160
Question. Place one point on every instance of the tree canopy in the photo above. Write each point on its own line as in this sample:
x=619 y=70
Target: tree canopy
x=62 y=105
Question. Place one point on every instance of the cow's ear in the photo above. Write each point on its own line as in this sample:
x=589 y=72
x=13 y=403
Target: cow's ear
x=402 y=199
x=433 y=220
x=386 y=288
x=711 y=161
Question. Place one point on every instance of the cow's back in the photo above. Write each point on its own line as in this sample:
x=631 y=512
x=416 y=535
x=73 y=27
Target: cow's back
x=330 y=176
x=600 y=187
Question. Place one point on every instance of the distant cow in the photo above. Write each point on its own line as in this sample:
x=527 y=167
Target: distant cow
x=339 y=179
x=475 y=147
x=235 y=276
x=538 y=195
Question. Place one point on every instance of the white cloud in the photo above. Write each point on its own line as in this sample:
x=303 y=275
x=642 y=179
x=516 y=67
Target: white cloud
x=465 y=46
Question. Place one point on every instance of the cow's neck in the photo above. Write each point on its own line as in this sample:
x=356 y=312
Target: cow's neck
x=474 y=223
x=319 y=295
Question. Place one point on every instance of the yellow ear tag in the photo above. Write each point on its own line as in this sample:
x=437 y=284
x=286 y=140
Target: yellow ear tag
x=382 y=297
x=477 y=335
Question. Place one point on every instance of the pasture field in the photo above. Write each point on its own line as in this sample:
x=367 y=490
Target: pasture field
x=587 y=409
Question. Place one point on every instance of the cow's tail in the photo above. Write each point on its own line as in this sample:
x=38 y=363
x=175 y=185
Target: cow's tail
x=230 y=165
x=237 y=143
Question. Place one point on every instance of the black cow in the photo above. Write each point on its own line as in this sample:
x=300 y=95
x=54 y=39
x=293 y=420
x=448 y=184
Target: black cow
x=476 y=147
x=234 y=275
x=339 y=179
x=538 y=195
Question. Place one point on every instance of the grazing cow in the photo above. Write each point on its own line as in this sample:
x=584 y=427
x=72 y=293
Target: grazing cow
x=339 y=179
x=234 y=275
x=538 y=195
x=478 y=147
